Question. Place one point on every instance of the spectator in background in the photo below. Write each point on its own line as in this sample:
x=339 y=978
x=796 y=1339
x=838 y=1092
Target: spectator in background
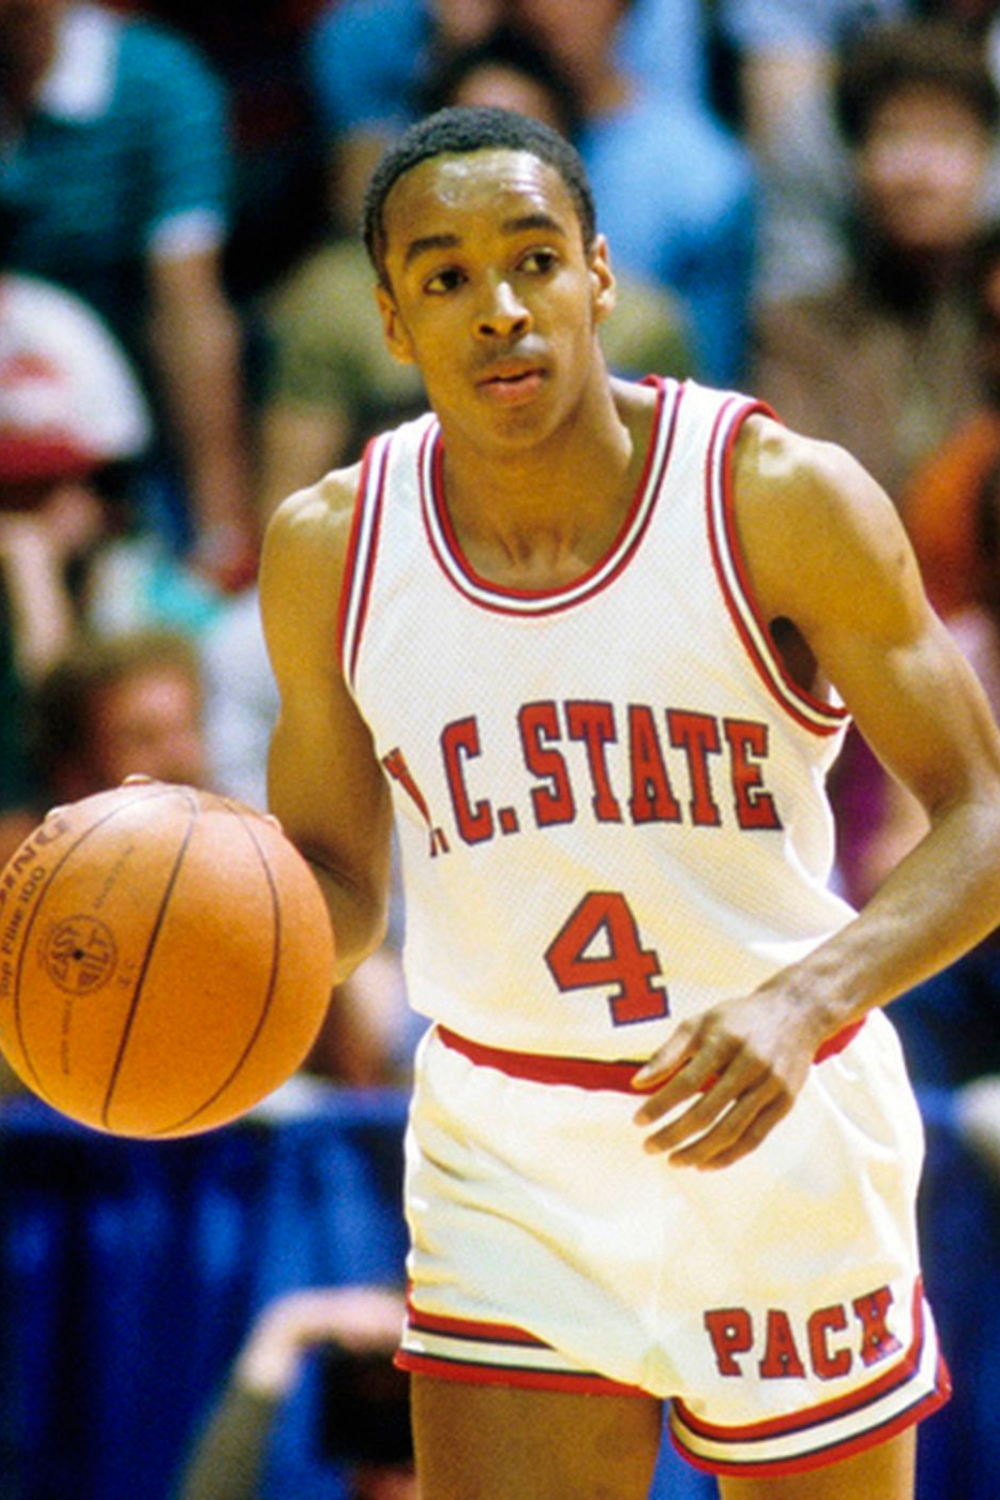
x=951 y=505
x=881 y=361
x=74 y=430
x=278 y=168
x=113 y=176
x=72 y=422
x=109 y=709
x=949 y=1025
x=952 y=502
x=366 y=1420
x=672 y=187
x=884 y=361
x=367 y=62
x=370 y=61
x=330 y=382
x=370 y=1033
x=677 y=189
x=785 y=54
x=241 y=700
x=128 y=705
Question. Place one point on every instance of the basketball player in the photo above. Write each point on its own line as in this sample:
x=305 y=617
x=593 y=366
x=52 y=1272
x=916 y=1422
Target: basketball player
x=597 y=642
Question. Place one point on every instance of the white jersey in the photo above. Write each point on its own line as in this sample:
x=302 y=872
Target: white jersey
x=610 y=795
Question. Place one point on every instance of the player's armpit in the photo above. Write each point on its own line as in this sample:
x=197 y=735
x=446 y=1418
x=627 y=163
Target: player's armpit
x=325 y=783
x=827 y=551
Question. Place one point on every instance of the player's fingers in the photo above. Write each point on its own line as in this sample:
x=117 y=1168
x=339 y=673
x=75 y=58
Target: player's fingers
x=693 y=1079
x=716 y=1155
x=721 y=1070
x=719 y=1117
x=668 y=1059
x=718 y=1097
x=689 y=1125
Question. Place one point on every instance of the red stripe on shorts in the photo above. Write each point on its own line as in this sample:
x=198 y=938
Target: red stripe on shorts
x=471 y=1372
x=466 y=1328
x=821 y=1457
x=478 y=1336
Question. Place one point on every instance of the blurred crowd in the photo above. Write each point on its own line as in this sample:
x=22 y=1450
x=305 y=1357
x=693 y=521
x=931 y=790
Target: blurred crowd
x=802 y=199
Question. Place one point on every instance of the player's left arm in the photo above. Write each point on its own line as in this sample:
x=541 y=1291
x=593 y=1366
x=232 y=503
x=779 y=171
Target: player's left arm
x=825 y=550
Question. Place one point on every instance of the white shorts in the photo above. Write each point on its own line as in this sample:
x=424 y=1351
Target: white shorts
x=776 y=1302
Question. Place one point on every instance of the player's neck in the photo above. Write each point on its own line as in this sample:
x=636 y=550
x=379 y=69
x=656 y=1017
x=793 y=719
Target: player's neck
x=543 y=517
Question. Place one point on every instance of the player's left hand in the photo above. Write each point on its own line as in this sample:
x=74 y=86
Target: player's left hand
x=742 y=1063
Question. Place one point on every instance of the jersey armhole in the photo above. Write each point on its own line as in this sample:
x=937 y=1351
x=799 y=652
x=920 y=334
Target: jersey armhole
x=362 y=549
x=818 y=715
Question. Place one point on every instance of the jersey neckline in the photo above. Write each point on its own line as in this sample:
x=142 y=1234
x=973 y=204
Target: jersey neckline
x=533 y=602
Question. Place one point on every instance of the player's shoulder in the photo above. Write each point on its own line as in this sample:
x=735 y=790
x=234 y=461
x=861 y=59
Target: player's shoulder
x=777 y=470
x=306 y=543
x=812 y=522
x=768 y=453
x=320 y=515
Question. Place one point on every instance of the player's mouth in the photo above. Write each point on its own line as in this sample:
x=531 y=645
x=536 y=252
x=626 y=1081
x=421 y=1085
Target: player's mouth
x=510 y=383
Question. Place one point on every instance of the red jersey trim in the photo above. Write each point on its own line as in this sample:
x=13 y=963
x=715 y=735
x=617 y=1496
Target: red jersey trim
x=362 y=548
x=586 y=1072
x=539 y=602
x=812 y=713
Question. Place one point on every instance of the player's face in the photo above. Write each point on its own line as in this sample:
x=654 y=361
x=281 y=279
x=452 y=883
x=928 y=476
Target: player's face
x=493 y=294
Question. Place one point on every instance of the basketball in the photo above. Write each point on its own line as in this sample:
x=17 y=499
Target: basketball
x=165 y=960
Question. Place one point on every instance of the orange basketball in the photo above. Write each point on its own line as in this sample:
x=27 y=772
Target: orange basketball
x=165 y=960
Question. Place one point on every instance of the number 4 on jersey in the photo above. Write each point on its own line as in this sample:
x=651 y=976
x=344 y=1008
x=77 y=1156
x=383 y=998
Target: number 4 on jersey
x=604 y=920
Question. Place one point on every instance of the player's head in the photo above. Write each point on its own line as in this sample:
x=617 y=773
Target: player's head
x=461 y=130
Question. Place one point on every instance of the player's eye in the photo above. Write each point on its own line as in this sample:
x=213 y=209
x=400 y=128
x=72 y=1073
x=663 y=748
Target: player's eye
x=539 y=261
x=444 y=281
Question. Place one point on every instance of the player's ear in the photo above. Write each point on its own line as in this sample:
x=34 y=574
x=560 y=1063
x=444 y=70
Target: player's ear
x=396 y=338
x=602 y=278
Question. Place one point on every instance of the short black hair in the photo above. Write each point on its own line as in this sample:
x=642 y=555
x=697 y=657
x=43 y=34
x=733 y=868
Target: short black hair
x=462 y=129
x=887 y=58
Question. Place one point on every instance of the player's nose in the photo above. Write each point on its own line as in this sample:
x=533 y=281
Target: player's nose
x=502 y=314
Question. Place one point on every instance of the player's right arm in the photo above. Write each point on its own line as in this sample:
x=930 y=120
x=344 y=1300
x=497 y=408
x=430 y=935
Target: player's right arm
x=325 y=782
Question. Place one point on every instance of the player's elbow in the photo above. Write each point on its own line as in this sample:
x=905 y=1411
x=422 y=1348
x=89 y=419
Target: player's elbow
x=359 y=941
x=359 y=913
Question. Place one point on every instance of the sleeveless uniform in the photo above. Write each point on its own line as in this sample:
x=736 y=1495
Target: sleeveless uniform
x=611 y=810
